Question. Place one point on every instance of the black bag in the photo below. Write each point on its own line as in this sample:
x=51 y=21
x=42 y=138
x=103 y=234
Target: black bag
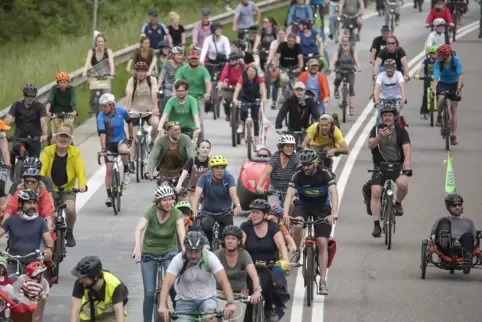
x=367 y=195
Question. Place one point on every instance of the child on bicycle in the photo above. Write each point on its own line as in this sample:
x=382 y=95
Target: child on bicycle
x=186 y=208
x=275 y=216
x=427 y=66
x=62 y=99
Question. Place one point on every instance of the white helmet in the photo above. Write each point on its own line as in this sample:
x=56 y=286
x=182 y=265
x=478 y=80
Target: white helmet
x=163 y=192
x=107 y=99
x=286 y=139
x=439 y=22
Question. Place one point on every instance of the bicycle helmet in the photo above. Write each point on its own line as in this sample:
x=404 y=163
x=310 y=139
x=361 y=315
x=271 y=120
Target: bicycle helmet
x=62 y=76
x=184 y=204
x=239 y=43
x=235 y=55
x=388 y=108
x=164 y=44
x=177 y=50
x=35 y=268
x=89 y=266
x=286 y=139
x=232 y=230
x=215 y=26
x=140 y=65
x=277 y=211
x=107 y=99
x=30 y=90
x=453 y=198
x=32 y=162
x=27 y=195
x=193 y=53
x=218 y=161
x=260 y=204
x=163 y=192
x=439 y=22
x=444 y=50
x=432 y=49
x=390 y=62
x=308 y=156
x=194 y=240
x=31 y=172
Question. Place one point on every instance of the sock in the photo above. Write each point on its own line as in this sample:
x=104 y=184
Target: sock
x=126 y=168
x=109 y=193
x=377 y=223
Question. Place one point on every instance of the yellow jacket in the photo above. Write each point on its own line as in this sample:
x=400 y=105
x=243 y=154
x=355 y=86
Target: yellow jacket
x=75 y=166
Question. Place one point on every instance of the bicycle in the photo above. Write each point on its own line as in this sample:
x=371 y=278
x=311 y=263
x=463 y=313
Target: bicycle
x=60 y=120
x=60 y=250
x=446 y=127
x=249 y=124
x=19 y=259
x=456 y=12
x=344 y=99
x=160 y=278
x=431 y=99
x=336 y=35
x=258 y=309
x=17 y=168
x=100 y=82
x=351 y=26
x=216 y=216
x=117 y=186
x=392 y=15
x=215 y=96
x=418 y=4
x=389 y=171
x=292 y=74
x=162 y=179
x=249 y=42
x=200 y=98
x=143 y=139
x=197 y=316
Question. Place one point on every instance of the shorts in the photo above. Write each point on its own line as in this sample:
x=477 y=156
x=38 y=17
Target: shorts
x=378 y=180
x=190 y=306
x=61 y=199
x=452 y=88
x=348 y=22
x=302 y=210
x=113 y=147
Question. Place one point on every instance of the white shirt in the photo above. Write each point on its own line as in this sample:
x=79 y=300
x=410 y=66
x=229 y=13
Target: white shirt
x=390 y=85
x=210 y=49
x=435 y=39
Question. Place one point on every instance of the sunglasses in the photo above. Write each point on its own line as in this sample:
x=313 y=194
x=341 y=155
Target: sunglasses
x=29 y=96
x=31 y=181
x=306 y=165
x=456 y=205
x=391 y=43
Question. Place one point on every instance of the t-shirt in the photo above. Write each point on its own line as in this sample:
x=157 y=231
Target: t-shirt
x=119 y=295
x=24 y=236
x=142 y=99
x=324 y=140
x=289 y=56
x=428 y=66
x=236 y=275
x=267 y=37
x=390 y=85
x=245 y=14
x=261 y=248
x=280 y=177
x=200 y=166
x=113 y=126
x=404 y=139
x=378 y=44
x=27 y=120
x=196 y=78
x=62 y=101
x=176 y=34
x=59 y=170
x=217 y=198
x=183 y=113
x=195 y=283
x=350 y=7
x=313 y=189
x=397 y=56
x=46 y=180
x=160 y=238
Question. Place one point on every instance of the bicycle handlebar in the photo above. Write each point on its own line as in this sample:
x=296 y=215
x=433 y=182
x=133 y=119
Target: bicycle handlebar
x=61 y=191
x=299 y=221
x=62 y=115
x=23 y=140
x=18 y=258
x=109 y=154
x=227 y=212
x=407 y=172
x=294 y=133
x=159 y=259
x=140 y=114
x=174 y=316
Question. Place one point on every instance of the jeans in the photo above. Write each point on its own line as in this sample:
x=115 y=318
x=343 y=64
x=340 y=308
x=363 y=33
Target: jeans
x=149 y=279
x=167 y=95
x=320 y=106
x=333 y=15
x=195 y=306
x=321 y=11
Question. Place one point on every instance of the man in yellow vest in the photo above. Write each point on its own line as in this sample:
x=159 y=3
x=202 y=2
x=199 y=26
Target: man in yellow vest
x=98 y=291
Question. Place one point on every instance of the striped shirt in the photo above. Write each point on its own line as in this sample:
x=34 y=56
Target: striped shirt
x=280 y=178
x=168 y=74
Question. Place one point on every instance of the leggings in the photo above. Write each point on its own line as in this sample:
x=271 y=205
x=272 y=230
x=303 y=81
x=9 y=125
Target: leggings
x=254 y=115
x=351 y=81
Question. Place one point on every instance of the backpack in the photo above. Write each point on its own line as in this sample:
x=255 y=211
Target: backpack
x=203 y=263
x=209 y=176
x=149 y=83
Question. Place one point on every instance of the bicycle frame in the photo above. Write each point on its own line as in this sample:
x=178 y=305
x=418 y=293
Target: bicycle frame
x=216 y=218
x=117 y=186
x=446 y=127
x=143 y=139
x=217 y=68
x=351 y=28
x=248 y=126
x=344 y=99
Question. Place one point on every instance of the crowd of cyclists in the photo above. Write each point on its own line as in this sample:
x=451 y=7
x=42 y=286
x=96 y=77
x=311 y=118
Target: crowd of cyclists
x=196 y=197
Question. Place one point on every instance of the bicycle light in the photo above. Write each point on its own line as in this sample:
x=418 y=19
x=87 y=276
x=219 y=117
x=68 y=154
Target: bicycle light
x=7 y=312
x=390 y=192
x=139 y=133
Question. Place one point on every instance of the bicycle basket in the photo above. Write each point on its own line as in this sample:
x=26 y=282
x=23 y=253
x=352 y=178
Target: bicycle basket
x=390 y=170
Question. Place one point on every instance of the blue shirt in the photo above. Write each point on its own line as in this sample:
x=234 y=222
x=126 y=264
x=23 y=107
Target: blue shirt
x=113 y=126
x=428 y=69
x=216 y=194
x=319 y=2
x=312 y=85
x=298 y=13
x=308 y=44
x=450 y=72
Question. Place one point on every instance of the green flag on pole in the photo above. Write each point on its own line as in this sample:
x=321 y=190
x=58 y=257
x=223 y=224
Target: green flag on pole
x=449 y=176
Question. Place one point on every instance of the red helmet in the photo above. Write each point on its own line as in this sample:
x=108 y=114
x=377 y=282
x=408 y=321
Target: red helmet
x=140 y=65
x=193 y=53
x=35 y=268
x=444 y=50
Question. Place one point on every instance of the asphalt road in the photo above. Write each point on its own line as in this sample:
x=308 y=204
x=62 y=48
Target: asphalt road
x=99 y=232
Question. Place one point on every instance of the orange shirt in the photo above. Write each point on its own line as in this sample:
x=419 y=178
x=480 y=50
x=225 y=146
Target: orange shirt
x=322 y=84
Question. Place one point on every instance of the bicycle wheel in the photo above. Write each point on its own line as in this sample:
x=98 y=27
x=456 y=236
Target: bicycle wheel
x=144 y=156
x=18 y=170
x=344 y=101
x=431 y=105
x=249 y=139
x=389 y=223
x=157 y=317
x=234 y=125
x=309 y=276
x=424 y=255
x=115 y=190
x=392 y=23
x=59 y=253
x=455 y=21
x=214 y=245
x=258 y=311
x=120 y=187
x=214 y=99
x=446 y=126
x=139 y=158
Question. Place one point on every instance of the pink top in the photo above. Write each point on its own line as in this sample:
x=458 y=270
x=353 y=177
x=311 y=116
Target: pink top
x=232 y=74
x=199 y=34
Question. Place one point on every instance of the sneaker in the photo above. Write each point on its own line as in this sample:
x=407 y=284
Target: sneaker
x=398 y=209
x=132 y=167
x=271 y=316
x=323 y=290
x=444 y=236
x=108 y=202
x=453 y=140
x=127 y=179
x=330 y=36
x=468 y=260
x=273 y=106
x=240 y=128
x=377 y=231
x=69 y=238
x=296 y=257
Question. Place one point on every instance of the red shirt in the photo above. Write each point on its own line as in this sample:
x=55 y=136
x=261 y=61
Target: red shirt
x=232 y=74
x=444 y=14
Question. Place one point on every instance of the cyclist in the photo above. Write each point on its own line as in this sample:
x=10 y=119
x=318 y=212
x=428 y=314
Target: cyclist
x=392 y=51
x=167 y=77
x=194 y=275
x=325 y=135
x=27 y=231
x=186 y=208
x=182 y=109
x=280 y=168
x=427 y=66
x=265 y=36
x=176 y=30
x=386 y=10
x=310 y=41
x=31 y=181
x=300 y=108
x=345 y=61
x=321 y=9
x=201 y=30
x=333 y=15
x=162 y=224
x=195 y=167
x=230 y=76
x=439 y=11
x=143 y=53
x=448 y=75
x=63 y=163
x=390 y=86
x=62 y=99
x=110 y=123
x=387 y=147
x=164 y=51
x=316 y=82
x=250 y=88
x=98 y=290
x=156 y=31
x=298 y=12
x=379 y=43
x=438 y=36
x=351 y=8
x=265 y=243
x=170 y=152
x=216 y=47
x=238 y=266
x=276 y=216
x=243 y=17
x=98 y=55
x=273 y=72
x=317 y=196
x=219 y=193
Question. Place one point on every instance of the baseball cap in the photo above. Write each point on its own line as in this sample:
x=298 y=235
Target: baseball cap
x=300 y=85
x=205 y=11
x=153 y=13
x=385 y=28
x=65 y=130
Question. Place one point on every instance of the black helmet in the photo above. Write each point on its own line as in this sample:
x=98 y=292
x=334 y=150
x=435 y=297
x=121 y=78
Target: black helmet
x=235 y=55
x=32 y=162
x=30 y=90
x=164 y=44
x=232 y=230
x=215 y=25
x=453 y=198
x=27 y=195
x=194 y=240
x=260 y=204
x=388 y=107
x=241 y=44
x=89 y=266
x=308 y=156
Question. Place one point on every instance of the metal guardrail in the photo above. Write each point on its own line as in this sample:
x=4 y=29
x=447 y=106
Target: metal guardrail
x=125 y=54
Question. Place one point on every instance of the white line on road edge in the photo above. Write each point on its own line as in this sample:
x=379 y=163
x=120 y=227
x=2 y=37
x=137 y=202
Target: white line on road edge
x=318 y=310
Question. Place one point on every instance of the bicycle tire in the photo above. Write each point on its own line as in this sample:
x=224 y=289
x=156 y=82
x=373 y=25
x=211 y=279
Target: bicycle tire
x=420 y=6
x=139 y=158
x=18 y=171
x=59 y=254
x=383 y=217
x=145 y=154
x=389 y=222
x=431 y=105
x=119 y=192
x=446 y=121
x=214 y=99
x=392 y=24
x=423 y=260
x=234 y=125
x=249 y=139
x=217 y=105
x=309 y=276
x=214 y=245
x=115 y=190
x=157 y=317
x=455 y=21
x=344 y=102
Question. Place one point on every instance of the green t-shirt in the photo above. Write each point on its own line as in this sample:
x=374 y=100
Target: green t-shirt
x=195 y=78
x=62 y=101
x=161 y=238
x=182 y=112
